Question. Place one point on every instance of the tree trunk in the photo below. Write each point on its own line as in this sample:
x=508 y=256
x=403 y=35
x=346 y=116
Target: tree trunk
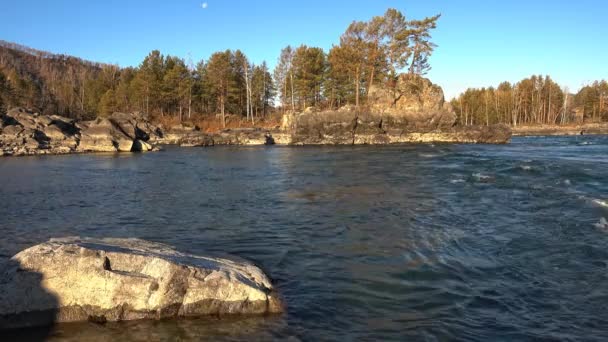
x=223 y=113
x=293 y=101
x=285 y=97
x=461 y=112
x=371 y=79
x=357 y=87
x=190 y=102
x=264 y=95
x=251 y=107
x=487 y=114
x=247 y=89
x=414 y=58
x=147 y=102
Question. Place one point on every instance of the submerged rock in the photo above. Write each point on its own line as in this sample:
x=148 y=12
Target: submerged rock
x=80 y=279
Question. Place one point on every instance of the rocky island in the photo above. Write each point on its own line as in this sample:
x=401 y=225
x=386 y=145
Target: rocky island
x=413 y=112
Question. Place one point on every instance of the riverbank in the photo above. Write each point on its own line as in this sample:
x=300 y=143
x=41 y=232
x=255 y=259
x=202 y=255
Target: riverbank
x=24 y=132
x=556 y=130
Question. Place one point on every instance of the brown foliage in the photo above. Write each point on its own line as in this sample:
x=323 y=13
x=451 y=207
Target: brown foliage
x=213 y=124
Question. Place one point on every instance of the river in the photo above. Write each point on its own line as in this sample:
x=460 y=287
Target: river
x=407 y=242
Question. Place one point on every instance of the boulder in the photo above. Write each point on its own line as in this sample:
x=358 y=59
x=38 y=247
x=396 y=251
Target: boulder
x=97 y=136
x=141 y=146
x=105 y=135
x=23 y=132
x=27 y=119
x=81 y=279
x=135 y=126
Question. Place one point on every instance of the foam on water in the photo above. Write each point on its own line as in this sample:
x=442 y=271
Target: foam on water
x=602 y=225
x=601 y=203
x=482 y=178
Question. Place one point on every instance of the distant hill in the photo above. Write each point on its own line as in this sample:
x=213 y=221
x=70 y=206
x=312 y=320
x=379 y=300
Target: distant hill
x=46 y=82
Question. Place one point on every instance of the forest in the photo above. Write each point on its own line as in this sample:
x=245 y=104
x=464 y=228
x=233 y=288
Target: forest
x=533 y=101
x=228 y=85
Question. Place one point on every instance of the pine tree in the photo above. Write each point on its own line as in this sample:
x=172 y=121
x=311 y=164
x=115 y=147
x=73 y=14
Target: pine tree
x=308 y=68
x=221 y=79
x=107 y=104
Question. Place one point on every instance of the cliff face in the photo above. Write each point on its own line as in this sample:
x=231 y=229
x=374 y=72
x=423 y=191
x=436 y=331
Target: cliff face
x=413 y=110
x=414 y=100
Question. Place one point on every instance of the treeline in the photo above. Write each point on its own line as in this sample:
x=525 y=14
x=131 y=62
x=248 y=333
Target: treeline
x=369 y=53
x=534 y=100
x=163 y=85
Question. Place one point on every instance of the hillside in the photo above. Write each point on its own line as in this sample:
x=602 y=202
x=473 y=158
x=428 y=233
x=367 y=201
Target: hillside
x=48 y=83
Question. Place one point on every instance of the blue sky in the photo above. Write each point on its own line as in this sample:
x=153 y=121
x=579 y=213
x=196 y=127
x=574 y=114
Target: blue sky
x=480 y=42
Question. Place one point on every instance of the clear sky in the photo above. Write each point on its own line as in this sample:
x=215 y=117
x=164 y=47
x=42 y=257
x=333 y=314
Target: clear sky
x=480 y=42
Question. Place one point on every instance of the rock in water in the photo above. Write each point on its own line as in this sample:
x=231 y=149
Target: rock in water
x=80 y=279
x=412 y=110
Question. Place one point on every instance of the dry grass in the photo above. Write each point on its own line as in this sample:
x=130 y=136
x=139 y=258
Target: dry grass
x=213 y=124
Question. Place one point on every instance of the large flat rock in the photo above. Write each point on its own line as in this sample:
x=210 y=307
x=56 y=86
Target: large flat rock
x=79 y=279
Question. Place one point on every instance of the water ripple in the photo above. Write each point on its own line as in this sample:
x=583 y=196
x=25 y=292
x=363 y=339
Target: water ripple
x=412 y=242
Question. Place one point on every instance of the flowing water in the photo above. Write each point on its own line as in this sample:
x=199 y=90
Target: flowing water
x=410 y=242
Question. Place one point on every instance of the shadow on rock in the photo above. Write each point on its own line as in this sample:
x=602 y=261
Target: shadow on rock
x=21 y=291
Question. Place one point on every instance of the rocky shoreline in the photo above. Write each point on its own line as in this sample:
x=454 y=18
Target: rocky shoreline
x=25 y=133
x=414 y=111
x=556 y=130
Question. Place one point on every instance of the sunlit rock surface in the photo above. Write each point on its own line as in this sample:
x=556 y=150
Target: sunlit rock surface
x=412 y=111
x=79 y=279
x=23 y=132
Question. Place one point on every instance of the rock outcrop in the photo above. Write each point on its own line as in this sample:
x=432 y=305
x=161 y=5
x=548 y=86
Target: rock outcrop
x=413 y=111
x=350 y=128
x=23 y=132
x=191 y=137
x=78 y=279
x=413 y=100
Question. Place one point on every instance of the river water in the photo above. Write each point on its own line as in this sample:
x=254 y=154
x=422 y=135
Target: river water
x=409 y=242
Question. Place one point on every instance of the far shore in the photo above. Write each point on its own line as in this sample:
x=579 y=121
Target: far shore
x=549 y=130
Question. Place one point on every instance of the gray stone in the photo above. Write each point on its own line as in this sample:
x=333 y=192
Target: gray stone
x=80 y=279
